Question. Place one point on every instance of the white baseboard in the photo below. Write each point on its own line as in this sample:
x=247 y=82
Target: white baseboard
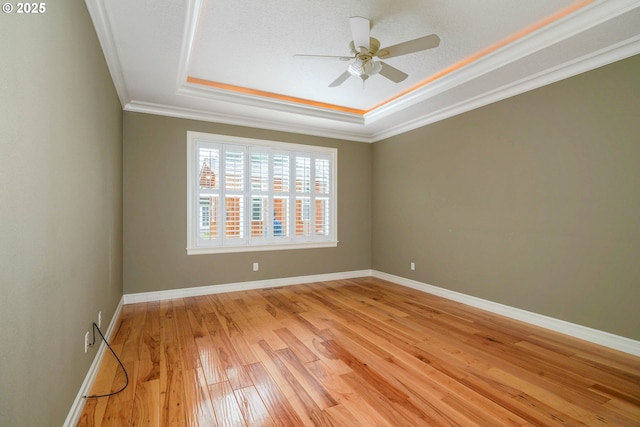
x=78 y=404
x=606 y=339
x=241 y=286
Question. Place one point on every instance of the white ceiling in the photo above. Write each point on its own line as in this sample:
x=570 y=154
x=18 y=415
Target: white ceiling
x=233 y=61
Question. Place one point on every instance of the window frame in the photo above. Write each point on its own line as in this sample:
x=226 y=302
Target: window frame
x=248 y=243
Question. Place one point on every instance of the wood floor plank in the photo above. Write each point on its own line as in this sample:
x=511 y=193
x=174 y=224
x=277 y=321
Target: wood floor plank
x=340 y=416
x=94 y=408
x=230 y=362
x=276 y=403
x=119 y=407
x=186 y=338
x=149 y=356
x=261 y=322
x=146 y=407
x=212 y=366
x=312 y=411
x=225 y=405
x=199 y=408
x=350 y=402
x=172 y=407
x=132 y=348
x=296 y=345
x=172 y=402
x=354 y=352
x=310 y=383
x=253 y=410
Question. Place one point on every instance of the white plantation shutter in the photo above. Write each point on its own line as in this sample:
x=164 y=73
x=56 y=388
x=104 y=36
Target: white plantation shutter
x=257 y=195
x=259 y=171
x=281 y=188
x=322 y=196
x=302 y=195
x=208 y=192
x=234 y=194
x=259 y=221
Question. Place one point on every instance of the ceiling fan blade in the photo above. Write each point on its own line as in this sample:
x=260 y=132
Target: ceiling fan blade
x=340 y=58
x=341 y=79
x=392 y=73
x=360 y=32
x=411 y=46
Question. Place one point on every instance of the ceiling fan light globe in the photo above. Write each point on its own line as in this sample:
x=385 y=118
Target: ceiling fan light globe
x=376 y=66
x=364 y=69
x=356 y=68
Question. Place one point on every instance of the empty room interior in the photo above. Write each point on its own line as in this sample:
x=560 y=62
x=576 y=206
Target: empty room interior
x=337 y=213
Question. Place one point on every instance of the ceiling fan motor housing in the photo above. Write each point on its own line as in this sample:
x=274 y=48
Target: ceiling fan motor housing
x=374 y=45
x=364 y=66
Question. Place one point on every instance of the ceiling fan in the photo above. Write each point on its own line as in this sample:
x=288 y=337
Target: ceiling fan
x=365 y=49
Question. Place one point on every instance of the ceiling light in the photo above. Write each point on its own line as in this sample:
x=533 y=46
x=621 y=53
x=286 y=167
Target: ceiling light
x=364 y=68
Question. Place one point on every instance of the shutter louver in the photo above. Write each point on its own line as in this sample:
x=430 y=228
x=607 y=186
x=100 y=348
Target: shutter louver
x=322 y=197
x=303 y=193
x=281 y=189
x=259 y=194
x=209 y=192
x=234 y=198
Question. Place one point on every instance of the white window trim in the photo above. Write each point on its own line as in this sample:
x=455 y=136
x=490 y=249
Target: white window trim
x=197 y=247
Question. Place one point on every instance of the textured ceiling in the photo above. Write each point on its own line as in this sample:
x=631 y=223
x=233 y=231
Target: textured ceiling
x=233 y=62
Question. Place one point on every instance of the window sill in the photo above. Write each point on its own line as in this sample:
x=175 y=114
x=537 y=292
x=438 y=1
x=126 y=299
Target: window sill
x=259 y=248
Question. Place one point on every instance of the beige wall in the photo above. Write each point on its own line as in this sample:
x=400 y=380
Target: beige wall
x=60 y=208
x=533 y=202
x=155 y=204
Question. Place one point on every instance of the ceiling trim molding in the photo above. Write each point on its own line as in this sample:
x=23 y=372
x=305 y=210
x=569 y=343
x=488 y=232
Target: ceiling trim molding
x=572 y=68
x=530 y=42
x=104 y=30
x=589 y=62
x=188 y=37
x=229 y=119
x=261 y=94
x=213 y=93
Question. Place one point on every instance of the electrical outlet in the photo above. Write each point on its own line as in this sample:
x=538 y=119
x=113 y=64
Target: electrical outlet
x=99 y=319
x=413 y=265
x=256 y=266
x=86 y=341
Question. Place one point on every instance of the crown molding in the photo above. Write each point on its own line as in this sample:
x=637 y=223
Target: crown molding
x=192 y=16
x=571 y=68
x=237 y=120
x=204 y=92
x=104 y=30
x=552 y=34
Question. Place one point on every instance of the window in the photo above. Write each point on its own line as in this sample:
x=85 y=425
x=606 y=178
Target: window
x=248 y=195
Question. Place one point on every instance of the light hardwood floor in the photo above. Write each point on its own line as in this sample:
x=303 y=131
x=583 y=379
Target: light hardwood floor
x=360 y=352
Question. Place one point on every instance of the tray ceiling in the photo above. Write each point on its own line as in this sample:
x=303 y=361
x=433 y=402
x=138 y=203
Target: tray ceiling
x=233 y=62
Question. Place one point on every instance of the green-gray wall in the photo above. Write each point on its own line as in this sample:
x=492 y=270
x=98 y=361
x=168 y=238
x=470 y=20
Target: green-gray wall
x=60 y=208
x=155 y=211
x=532 y=202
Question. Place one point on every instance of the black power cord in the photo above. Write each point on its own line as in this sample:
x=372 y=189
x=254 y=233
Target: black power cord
x=96 y=328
